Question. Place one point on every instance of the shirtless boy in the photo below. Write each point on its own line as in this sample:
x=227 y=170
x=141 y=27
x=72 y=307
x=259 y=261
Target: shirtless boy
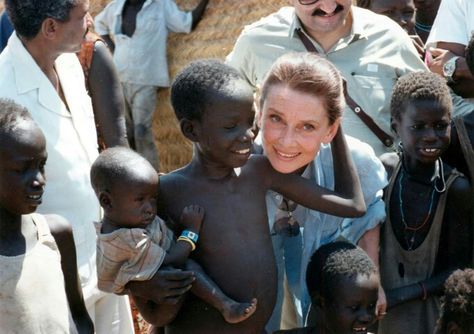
x=214 y=107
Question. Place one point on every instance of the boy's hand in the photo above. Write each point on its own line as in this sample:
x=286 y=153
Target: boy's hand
x=192 y=218
x=167 y=286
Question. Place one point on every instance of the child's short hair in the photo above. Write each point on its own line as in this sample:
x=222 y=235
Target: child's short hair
x=112 y=165
x=457 y=304
x=333 y=262
x=11 y=114
x=189 y=91
x=470 y=54
x=416 y=86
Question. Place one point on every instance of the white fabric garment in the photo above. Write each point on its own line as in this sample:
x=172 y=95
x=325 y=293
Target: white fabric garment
x=32 y=293
x=141 y=59
x=71 y=143
x=454 y=23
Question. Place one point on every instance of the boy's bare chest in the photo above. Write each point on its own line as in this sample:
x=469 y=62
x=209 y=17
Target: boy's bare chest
x=129 y=18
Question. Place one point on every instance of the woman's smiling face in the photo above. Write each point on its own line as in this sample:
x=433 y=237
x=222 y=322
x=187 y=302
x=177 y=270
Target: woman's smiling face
x=294 y=125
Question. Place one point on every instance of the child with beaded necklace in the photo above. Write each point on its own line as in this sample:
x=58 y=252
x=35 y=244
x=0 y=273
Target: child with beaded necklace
x=427 y=234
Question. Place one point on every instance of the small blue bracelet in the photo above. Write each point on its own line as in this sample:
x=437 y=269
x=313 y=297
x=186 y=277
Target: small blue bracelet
x=190 y=235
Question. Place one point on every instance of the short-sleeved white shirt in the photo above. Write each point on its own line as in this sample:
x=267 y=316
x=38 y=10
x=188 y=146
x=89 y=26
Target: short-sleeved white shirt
x=141 y=59
x=454 y=23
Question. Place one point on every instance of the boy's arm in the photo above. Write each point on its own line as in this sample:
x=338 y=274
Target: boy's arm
x=102 y=23
x=346 y=200
x=107 y=97
x=62 y=233
x=198 y=12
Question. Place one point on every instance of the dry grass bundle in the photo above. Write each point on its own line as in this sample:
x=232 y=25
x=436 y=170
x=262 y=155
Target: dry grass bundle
x=214 y=37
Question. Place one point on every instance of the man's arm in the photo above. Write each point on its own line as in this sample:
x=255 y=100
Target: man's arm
x=198 y=12
x=62 y=233
x=107 y=97
x=463 y=79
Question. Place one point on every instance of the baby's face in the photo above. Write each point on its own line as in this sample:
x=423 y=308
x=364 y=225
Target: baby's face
x=352 y=309
x=133 y=201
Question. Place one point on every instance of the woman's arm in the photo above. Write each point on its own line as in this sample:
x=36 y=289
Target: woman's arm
x=62 y=233
x=345 y=201
x=107 y=97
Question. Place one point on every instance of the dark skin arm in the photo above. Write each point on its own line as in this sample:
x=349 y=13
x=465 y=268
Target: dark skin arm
x=198 y=12
x=62 y=233
x=107 y=97
x=345 y=201
x=109 y=42
x=455 y=247
x=464 y=85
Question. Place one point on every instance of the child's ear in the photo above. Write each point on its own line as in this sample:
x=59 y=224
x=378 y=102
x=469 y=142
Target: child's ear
x=328 y=137
x=104 y=200
x=394 y=125
x=453 y=328
x=190 y=129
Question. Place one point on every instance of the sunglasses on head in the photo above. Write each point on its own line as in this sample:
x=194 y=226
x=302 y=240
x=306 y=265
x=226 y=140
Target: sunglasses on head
x=286 y=225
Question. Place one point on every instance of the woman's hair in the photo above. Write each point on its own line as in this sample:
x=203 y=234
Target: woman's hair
x=457 y=304
x=419 y=86
x=307 y=73
x=334 y=262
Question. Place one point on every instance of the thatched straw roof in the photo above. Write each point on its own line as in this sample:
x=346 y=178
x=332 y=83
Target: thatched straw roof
x=213 y=37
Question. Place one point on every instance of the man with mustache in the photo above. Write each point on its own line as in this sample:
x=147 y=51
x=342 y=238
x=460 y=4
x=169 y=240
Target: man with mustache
x=39 y=70
x=371 y=52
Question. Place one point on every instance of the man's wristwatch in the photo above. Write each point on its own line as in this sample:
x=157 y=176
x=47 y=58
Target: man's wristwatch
x=449 y=68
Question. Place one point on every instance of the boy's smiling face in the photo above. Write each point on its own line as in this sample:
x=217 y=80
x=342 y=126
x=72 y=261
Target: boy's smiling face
x=224 y=133
x=353 y=307
x=22 y=161
x=424 y=130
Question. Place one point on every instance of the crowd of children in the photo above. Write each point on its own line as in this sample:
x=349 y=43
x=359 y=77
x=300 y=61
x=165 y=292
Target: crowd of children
x=209 y=219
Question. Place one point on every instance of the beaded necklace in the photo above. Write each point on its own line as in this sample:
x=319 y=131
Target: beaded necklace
x=407 y=228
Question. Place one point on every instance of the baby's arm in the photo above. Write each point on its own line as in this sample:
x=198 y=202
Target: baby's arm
x=346 y=200
x=62 y=233
x=191 y=219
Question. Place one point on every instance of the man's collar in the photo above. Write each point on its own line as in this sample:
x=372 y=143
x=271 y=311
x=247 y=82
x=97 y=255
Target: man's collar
x=121 y=3
x=357 y=29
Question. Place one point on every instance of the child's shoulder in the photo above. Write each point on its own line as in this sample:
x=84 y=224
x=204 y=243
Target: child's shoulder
x=58 y=225
x=390 y=162
x=460 y=188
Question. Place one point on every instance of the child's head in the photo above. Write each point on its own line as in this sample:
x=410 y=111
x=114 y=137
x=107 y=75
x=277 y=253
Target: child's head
x=343 y=282
x=401 y=11
x=22 y=159
x=126 y=186
x=421 y=115
x=457 y=304
x=214 y=106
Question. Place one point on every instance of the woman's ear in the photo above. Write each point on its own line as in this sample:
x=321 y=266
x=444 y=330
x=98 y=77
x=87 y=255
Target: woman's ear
x=328 y=137
x=105 y=200
x=190 y=129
